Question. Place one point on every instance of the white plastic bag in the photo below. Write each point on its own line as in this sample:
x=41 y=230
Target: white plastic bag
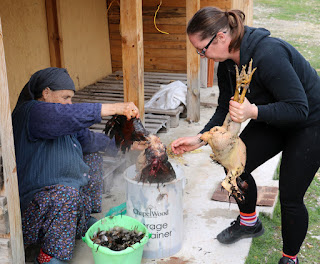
x=169 y=96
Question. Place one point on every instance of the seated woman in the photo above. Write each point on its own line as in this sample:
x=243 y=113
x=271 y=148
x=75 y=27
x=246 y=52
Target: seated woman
x=51 y=134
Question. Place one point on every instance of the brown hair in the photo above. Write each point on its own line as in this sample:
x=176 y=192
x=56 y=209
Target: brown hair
x=210 y=20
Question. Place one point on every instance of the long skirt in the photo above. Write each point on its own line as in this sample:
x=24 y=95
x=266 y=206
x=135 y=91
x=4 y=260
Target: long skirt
x=59 y=214
x=55 y=218
x=94 y=187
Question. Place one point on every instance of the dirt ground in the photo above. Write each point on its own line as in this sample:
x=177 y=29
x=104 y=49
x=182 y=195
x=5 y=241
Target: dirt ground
x=300 y=31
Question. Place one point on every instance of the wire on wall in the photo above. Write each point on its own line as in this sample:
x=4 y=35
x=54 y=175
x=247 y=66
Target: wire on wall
x=154 y=19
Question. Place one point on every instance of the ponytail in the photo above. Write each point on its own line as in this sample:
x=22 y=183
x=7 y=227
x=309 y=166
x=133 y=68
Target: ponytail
x=210 y=20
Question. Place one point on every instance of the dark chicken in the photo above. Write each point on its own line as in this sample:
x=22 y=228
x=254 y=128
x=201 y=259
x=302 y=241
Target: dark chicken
x=227 y=147
x=152 y=165
x=125 y=131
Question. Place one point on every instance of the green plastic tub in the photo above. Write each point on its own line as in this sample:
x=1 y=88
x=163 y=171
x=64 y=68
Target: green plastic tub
x=104 y=255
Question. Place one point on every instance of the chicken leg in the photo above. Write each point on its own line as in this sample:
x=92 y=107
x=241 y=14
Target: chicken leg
x=227 y=147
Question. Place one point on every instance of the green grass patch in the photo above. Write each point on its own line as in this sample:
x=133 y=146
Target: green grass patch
x=310 y=52
x=267 y=248
x=293 y=9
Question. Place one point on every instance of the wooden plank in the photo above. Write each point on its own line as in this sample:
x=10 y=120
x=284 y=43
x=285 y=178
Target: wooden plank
x=132 y=51
x=9 y=163
x=193 y=70
x=176 y=45
x=154 y=44
x=177 y=64
x=170 y=18
x=159 y=53
x=161 y=20
x=247 y=7
x=174 y=114
x=150 y=28
x=165 y=3
x=54 y=33
x=222 y=4
x=150 y=11
x=148 y=74
x=156 y=37
x=109 y=91
x=210 y=72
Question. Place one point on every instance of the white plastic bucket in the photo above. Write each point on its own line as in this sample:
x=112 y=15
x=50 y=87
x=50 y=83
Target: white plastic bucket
x=159 y=207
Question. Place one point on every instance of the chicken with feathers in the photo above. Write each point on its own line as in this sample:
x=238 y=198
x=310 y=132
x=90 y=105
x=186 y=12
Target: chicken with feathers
x=152 y=164
x=227 y=147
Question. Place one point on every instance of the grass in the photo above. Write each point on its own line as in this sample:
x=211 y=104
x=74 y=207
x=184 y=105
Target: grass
x=305 y=10
x=267 y=248
x=310 y=52
x=297 y=10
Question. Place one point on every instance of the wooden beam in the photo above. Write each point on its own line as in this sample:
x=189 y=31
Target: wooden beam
x=247 y=7
x=210 y=72
x=9 y=163
x=132 y=52
x=54 y=33
x=193 y=69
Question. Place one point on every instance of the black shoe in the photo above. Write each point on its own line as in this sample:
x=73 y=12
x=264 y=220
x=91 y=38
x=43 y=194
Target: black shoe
x=286 y=260
x=236 y=232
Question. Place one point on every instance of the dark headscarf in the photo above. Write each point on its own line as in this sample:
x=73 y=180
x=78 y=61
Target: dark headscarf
x=54 y=78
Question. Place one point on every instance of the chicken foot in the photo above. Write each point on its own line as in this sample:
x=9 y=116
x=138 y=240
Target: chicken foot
x=227 y=147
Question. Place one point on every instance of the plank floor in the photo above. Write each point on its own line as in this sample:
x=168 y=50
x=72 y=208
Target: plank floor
x=110 y=90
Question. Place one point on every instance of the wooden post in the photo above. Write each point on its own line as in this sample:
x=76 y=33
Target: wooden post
x=210 y=72
x=247 y=7
x=193 y=69
x=203 y=72
x=9 y=163
x=132 y=52
x=54 y=33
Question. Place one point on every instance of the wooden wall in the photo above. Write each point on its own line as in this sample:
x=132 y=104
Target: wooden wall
x=162 y=52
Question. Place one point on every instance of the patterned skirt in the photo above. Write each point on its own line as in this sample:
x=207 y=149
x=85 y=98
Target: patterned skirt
x=55 y=218
x=59 y=214
x=95 y=185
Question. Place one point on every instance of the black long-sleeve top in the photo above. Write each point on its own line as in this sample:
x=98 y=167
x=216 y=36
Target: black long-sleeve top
x=285 y=88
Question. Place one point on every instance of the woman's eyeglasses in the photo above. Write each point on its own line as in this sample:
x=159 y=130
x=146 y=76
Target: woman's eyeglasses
x=203 y=51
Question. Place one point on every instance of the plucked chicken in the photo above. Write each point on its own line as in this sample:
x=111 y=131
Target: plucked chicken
x=152 y=164
x=227 y=147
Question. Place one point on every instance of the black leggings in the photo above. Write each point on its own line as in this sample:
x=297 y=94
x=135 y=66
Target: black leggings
x=300 y=162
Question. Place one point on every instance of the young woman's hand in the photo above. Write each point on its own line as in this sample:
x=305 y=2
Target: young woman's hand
x=241 y=112
x=185 y=144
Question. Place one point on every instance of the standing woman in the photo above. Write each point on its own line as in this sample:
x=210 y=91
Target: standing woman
x=284 y=107
x=58 y=190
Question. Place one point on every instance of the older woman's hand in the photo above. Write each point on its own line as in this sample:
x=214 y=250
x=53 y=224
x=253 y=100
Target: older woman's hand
x=128 y=109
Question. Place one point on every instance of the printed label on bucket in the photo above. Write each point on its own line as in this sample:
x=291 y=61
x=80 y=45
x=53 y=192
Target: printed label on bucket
x=159 y=228
x=159 y=208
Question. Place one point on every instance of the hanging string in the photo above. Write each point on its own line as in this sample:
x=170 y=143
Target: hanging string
x=111 y=4
x=154 y=20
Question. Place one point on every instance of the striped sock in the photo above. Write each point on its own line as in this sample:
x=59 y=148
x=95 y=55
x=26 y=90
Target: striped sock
x=294 y=258
x=248 y=219
x=43 y=257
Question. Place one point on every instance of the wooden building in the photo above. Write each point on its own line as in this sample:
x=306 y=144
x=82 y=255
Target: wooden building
x=74 y=34
x=164 y=52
